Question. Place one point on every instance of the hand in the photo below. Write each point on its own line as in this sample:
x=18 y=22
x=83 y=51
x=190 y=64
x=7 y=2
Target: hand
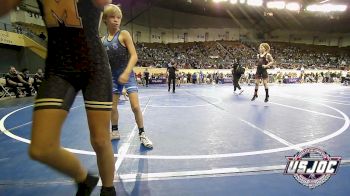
x=123 y=78
x=265 y=66
x=19 y=84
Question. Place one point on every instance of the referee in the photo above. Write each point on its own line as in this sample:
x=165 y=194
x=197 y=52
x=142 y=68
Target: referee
x=171 y=74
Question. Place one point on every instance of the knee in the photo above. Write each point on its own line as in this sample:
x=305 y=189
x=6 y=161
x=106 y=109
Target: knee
x=39 y=153
x=100 y=143
x=136 y=108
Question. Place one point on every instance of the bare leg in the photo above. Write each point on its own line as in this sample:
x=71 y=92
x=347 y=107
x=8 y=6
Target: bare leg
x=100 y=141
x=115 y=114
x=45 y=145
x=256 y=89
x=266 y=90
x=135 y=106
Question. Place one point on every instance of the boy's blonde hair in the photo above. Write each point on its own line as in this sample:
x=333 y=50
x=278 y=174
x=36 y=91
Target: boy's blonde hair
x=266 y=46
x=111 y=10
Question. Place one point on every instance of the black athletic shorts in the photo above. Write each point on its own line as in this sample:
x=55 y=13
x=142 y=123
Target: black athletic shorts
x=59 y=90
x=261 y=74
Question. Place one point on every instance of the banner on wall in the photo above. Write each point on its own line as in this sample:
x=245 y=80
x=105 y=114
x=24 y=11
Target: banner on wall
x=291 y=80
x=226 y=80
x=157 y=81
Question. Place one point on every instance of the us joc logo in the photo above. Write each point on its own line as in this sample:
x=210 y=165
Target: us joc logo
x=312 y=167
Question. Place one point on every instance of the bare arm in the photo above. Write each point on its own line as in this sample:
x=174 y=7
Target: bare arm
x=270 y=60
x=7 y=6
x=21 y=79
x=132 y=51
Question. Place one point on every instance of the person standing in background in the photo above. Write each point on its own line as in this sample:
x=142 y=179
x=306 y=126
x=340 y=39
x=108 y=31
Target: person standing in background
x=171 y=74
x=146 y=76
x=236 y=74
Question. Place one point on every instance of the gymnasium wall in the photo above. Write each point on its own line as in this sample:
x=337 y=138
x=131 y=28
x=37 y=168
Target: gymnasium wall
x=9 y=56
x=346 y=40
x=26 y=17
x=305 y=37
x=19 y=57
x=167 y=26
x=160 y=17
x=162 y=25
x=5 y=19
x=163 y=35
x=30 y=60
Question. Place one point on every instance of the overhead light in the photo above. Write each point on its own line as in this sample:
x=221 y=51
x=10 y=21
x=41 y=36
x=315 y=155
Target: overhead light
x=339 y=8
x=326 y=8
x=242 y=1
x=276 y=4
x=255 y=2
x=313 y=8
x=293 y=6
x=233 y=1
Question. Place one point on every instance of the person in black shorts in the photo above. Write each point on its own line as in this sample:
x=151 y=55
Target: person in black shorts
x=236 y=74
x=265 y=60
x=146 y=76
x=171 y=74
x=76 y=60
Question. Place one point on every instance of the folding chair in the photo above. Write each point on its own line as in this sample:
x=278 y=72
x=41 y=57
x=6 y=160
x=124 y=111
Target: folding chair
x=4 y=90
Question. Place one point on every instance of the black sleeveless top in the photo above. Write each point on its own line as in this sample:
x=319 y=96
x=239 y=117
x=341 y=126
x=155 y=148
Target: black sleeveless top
x=262 y=61
x=73 y=37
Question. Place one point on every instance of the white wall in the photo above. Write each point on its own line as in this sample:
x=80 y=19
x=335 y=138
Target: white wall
x=333 y=40
x=26 y=17
x=346 y=40
x=5 y=19
x=306 y=37
x=32 y=3
x=160 y=17
x=176 y=35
